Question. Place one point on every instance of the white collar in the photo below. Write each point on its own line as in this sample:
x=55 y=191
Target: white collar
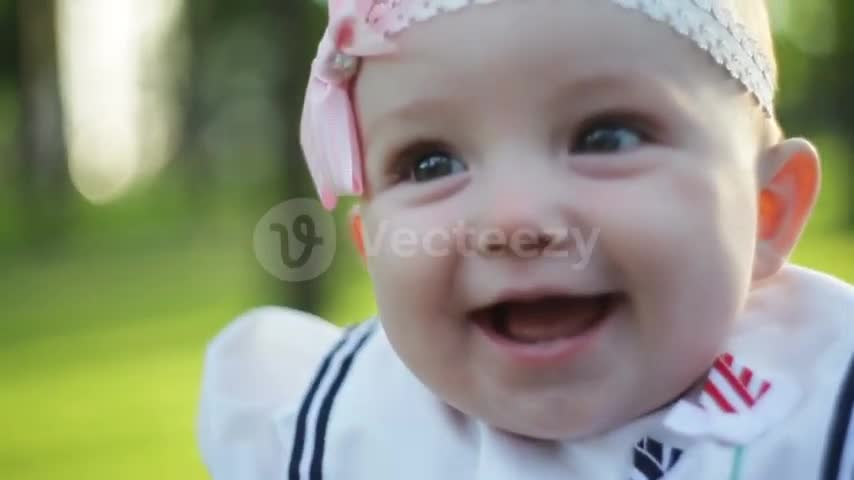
x=737 y=403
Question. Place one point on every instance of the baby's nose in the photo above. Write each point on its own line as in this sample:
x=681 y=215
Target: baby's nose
x=521 y=218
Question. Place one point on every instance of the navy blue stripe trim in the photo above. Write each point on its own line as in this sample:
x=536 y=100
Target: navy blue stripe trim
x=302 y=417
x=839 y=427
x=316 y=471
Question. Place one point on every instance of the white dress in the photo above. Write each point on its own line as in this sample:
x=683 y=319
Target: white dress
x=287 y=396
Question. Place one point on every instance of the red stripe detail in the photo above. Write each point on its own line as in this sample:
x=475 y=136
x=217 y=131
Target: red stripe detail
x=762 y=391
x=745 y=377
x=736 y=385
x=727 y=359
x=716 y=395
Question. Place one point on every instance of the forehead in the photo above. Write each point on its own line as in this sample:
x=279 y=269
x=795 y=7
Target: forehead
x=512 y=51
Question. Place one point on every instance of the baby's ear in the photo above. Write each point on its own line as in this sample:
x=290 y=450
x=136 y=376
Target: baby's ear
x=789 y=180
x=356 y=231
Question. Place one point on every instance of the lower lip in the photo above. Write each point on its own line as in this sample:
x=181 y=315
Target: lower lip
x=553 y=352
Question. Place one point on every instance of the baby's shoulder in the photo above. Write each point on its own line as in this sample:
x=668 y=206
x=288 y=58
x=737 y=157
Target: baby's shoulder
x=256 y=369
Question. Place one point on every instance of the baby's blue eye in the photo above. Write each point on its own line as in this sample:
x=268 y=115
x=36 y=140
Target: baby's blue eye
x=435 y=164
x=608 y=138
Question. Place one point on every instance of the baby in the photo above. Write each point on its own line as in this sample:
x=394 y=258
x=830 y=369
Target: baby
x=674 y=341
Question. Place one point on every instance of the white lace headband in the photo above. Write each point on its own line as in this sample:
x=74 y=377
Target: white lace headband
x=363 y=28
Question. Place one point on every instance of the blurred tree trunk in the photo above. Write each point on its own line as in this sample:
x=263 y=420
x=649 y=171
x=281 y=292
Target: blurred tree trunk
x=298 y=26
x=835 y=101
x=829 y=105
x=845 y=50
x=43 y=165
x=199 y=25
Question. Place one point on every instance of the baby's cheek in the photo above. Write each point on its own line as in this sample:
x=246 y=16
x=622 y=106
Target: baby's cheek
x=707 y=251
x=407 y=260
x=667 y=240
x=649 y=229
x=688 y=215
x=414 y=289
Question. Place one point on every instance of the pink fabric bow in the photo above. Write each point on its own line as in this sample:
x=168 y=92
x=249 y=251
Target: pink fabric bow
x=328 y=131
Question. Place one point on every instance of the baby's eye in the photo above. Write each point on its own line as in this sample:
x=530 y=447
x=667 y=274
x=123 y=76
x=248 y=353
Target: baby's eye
x=608 y=137
x=434 y=164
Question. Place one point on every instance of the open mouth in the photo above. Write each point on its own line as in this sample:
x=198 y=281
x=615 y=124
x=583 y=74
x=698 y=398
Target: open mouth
x=547 y=319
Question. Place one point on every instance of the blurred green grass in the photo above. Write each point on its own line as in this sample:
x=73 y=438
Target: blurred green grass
x=101 y=343
x=102 y=364
x=101 y=348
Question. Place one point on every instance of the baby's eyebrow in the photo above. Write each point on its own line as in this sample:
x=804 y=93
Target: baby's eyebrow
x=605 y=82
x=420 y=109
x=626 y=85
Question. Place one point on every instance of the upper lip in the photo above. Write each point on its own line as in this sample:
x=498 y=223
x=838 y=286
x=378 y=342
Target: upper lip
x=533 y=294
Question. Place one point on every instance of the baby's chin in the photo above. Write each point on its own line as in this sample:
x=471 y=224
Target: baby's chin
x=557 y=427
x=560 y=420
x=571 y=413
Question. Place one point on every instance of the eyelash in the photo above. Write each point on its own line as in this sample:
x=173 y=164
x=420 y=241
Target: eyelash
x=641 y=123
x=404 y=159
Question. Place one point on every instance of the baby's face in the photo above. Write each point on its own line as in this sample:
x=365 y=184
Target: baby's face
x=589 y=128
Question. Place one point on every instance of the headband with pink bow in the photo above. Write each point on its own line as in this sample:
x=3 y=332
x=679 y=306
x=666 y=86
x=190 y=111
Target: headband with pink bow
x=361 y=28
x=328 y=132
